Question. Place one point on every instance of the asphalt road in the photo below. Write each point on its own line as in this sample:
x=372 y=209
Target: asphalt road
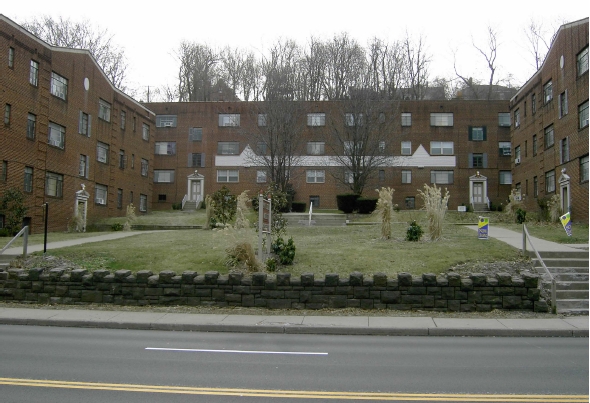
x=45 y=364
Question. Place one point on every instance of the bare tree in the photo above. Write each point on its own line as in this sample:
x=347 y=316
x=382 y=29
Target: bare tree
x=417 y=62
x=385 y=67
x=345 y=64
x=198 y=71
x=280 y=71
x=313 y=66
x=278 y=143
x=81 y=35
x=540 y=39
x=360 y=137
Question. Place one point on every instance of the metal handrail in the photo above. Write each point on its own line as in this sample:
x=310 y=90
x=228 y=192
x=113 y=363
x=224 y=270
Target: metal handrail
x=184 y=199
x=310 y=212
x=525 y=235
x=25 y=232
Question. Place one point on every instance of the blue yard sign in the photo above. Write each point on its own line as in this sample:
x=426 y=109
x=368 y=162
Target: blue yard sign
x=483 y=227
x=567 y=224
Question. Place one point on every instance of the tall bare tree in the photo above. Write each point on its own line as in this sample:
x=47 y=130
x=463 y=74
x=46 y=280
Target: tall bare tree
x=81 y=35
x=345 y=64
x=417 y=62
x=198 y=71
x=280 y=71
x=540 y=39
x=386 y=66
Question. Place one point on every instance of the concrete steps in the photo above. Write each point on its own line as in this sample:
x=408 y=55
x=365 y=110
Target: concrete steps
x=6 y=259
x=191 y=205
x=570 y=270
x=317 y=219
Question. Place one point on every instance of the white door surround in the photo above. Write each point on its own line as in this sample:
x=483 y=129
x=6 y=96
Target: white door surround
x=195 y=187
x=478 y=189
x=81 y=208
x=564 y=192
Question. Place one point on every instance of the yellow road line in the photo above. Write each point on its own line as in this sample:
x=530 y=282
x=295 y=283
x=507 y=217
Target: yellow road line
x=293 y=394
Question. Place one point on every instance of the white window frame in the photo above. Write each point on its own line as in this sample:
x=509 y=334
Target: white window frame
x=477 y=133
x=550 y=181
x=582 y=61
x=584 y=168
x=549 y=136
x=441 y=119
x=142 y=203
x=316 y=119
x=144 y=167
x=406 y=148
x=406 y=118
x=262 y=119
x=28 y=179
x=505 y=148
x=229 y=120
x=54 y=184
x=261 y=176
x=84 y=124
x=517 y=117
x=164 y=176
x=442 y=177
x=83 y=166
x=548 y=92
x=505 y=177
x=145 y=132
x=564 y=150
x=316 y=148
x=406 y=176
x=228 y=148
x=166 y=120
x=165 y=148
x=56 y=136
x=34 y=73
x=352 y=119
x=562 y=104
x=101 y=193
x=104 y=110
x=195 y=134
x=31 y=126
x=11 y=57
x=59 y=86
x=504 y=119
x=228 y=175
x=442 y=148
x=315 y=176
x=583 y=115
x=102 y=152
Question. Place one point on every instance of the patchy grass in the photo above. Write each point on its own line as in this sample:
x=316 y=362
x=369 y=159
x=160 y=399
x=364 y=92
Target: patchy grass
x=166 y=217
x=553 y=232
x=320 y=250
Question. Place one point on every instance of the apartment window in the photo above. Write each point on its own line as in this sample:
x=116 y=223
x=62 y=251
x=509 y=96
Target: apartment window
x=441 y=148
x=406 y=119
x=195 y=134
x=228 y=148
x=441 y=177
x=548 y=91
x=504 y=148
x=534 y=103
x=316 y=119
x=31 y=126
x=478 y=160
x=53 y=184
x=410 y=202
x=84 y=120
x=166 y=121
x=517 y=155
x=142 y=203
x=477 y=133
x=102 y=152
x=315 y=148
x=11 y=57
x=122 y=159
x=59 y=86
x=505 y=177
x=56 y=135
x=316 y=176
x=4 y=172
x=261 y=119
x=352 y=119
x=517 y=118
x=562 y=104
x=261 y=148
x=83 y=166
x=504 y=119
x=163 y=176
x=228 y=175
x=441 y=119
x=381 y=175
x=353 y=147
x=564 y=150
x=406 y=148
x=535 y=186
x=34 y=73
x=100 y=195
x=229 y=119
x=348 y=177
x=535 y=145
x=260 y=176
x=104 y=110
x=583 y=115
x=550 y=181
x=144 y=167
x=165 y=147
x=7 y=110
x=162 y=197
x=132 y=161
x=119 y=198
x=123 y=119
x=406 y=176
x=549 y=137
x=196 y=160
x=28 y=180
x=145 y=132
x=582 y=61
x=584 y=169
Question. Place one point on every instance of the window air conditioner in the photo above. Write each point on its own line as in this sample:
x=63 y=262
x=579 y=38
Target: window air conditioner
x=168 y=124
x=100 y=201
x=54 y=142
x=517 y=161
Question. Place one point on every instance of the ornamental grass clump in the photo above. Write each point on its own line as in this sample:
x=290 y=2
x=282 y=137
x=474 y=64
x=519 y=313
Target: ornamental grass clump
x=242 y=211
x=129 y=217
x=384 y=210
x=554 y=206
x=435 y=205
x=515 y=207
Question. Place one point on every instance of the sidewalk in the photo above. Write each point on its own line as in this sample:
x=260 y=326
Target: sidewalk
x=333 y=325
x=329 y=325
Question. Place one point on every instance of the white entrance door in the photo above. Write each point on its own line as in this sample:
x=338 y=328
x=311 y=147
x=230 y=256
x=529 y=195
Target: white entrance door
x=196 y=191
x=478 y=192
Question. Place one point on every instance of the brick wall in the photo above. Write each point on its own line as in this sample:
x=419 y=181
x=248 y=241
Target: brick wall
x=402 y=292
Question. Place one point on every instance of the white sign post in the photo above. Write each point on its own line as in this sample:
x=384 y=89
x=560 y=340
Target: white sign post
x=264 y=226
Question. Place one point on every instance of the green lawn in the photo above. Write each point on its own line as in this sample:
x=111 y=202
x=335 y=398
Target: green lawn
x=553 y=232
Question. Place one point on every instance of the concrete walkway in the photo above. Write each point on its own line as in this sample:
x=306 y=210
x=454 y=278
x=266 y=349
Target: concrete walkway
x=352 y=325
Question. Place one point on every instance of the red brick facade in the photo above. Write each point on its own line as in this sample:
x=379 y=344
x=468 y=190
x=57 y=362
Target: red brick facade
x=548 y=125
x=44 y=102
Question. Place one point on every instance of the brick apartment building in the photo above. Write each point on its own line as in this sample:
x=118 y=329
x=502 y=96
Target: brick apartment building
x=69 y=138
x=550 y=126
x=463 y=146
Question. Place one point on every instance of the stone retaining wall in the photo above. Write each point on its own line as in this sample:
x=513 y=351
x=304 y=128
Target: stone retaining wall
x=281 y=291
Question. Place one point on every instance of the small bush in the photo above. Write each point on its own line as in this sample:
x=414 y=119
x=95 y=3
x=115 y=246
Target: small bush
x=117 y=227
x=298 y=207
x=271 y=264
x=366 y=205
x=414 y=232
x=4 y=232
x=285 y=251
x=176 y=206
x=520 y=216
x=346 y=202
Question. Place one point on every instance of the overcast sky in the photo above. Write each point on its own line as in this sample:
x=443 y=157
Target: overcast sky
x=150 y=32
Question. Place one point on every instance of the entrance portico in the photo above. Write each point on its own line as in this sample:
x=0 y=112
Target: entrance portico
x=195 y=188
x=478 y=189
